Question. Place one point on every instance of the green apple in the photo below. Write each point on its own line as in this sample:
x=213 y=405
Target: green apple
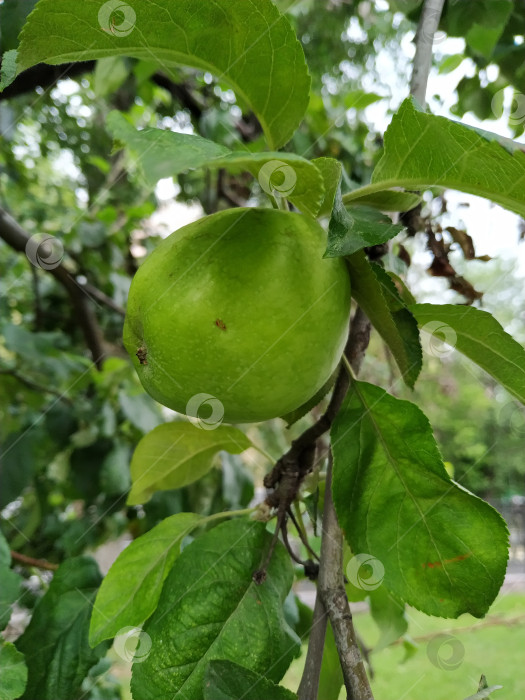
x=240 y=306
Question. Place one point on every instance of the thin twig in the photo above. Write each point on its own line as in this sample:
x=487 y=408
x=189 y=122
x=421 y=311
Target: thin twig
x=29 y=561
x=302 y=535
x=102 y=298
x=428 y=24
x=311 y=569
x=39 y=388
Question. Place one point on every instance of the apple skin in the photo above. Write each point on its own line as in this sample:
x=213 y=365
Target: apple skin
x=243 y=306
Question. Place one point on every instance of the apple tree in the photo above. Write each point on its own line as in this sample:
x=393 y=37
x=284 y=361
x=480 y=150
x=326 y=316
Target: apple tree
x=260 y=312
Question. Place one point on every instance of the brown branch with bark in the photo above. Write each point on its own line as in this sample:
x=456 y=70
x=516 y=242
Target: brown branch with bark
x=29 y=561
x=331 y=588
x=34 y=386
x=284 y=482
x=15 y=236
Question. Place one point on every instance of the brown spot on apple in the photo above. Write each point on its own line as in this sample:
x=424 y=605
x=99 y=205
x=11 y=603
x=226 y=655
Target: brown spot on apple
x=142 y=354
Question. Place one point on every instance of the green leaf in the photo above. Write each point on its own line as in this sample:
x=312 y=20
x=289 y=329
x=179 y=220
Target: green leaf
x=9 y=594
x=281 y=174
x=8 y=69
x=450 y=63
x=130 y=591
x=13 y=672
x=61 y=619
x=481 y=338
x=385 y=200
x=247 y=44
x=376 y=294
x=211 y=609
x=331 y=171
x=359 y=99
x=389 y=615
x=357 y=228
x=481 y=23
x=114 y=470
x=177 y=454
x=468 y=159
x=331 y=678
x=402 y=290
x=10 y=589
x=109 y=75
x=159 y=154
x=484 y=690
x=13 y=14
x=225 y=680
x=442 y=549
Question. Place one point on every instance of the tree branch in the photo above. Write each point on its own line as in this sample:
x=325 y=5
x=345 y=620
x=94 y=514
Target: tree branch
x=29 y=561
x=331 y=579
x=15 y=236
x=101 y=297
x=44 y=76
x=428 y=24
x=331 y=595
x=33 y=386
x=309 y=686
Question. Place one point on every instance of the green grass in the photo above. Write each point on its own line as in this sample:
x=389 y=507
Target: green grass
x=494 y=646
